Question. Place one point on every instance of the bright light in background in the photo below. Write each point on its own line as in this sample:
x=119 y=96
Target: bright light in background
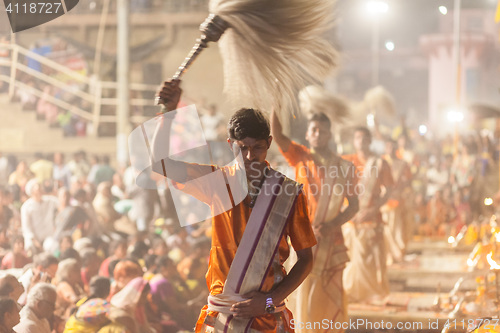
x=370 y=120
x=389 y=45
x=455 y=116
x=470 y=262
x=422 y=129
x=493 y=264
x=443 y=10
x=376 y=7
x=488 y=201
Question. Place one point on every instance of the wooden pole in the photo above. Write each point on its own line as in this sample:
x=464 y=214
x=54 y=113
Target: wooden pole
x=457 y=68
x=123 y=93
x=100 y=38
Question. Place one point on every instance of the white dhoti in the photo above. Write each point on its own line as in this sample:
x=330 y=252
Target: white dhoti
x=394 y=233
x=365 y=276
x=323 y=301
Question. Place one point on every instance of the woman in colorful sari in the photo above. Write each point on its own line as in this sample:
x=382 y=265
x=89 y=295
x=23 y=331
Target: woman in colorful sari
x=90 y=317
x=95 y=314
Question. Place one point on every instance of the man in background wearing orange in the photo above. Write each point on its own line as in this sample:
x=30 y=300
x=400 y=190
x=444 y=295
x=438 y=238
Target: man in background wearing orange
x=328 y=180
x=251 y=301
x=365 y=275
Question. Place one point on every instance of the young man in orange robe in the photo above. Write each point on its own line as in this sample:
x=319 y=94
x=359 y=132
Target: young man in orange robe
x=328 y=181
x=246 y=279
x=366 y=274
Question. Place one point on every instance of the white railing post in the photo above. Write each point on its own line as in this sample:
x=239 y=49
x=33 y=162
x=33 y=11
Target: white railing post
x=13 y=70
x=96 y=114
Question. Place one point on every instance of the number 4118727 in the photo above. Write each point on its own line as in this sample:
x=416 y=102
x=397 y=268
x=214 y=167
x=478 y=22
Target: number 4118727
x=33 y=8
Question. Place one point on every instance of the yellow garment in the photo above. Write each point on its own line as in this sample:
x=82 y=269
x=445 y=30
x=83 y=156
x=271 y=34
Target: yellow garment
x=75 y=325
x=148 y=276
x=497 y=16
x=114 y=328
x=472 y=235
x=488 y=328
x=80 y=302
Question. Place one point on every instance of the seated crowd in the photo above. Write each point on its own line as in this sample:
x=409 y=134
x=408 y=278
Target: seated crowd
x=78 y=256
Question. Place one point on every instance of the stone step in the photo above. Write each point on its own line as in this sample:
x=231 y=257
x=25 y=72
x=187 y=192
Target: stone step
x=21 y=132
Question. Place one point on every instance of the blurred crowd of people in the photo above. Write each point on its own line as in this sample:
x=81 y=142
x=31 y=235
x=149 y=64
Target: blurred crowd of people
x=114 y=254
x=442 y=183
x=85 y=249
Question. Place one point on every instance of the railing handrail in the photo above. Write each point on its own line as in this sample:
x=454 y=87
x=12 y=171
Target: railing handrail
x=71 y=108
x=50 y=63
x=55 y=82
x=133 y=86
x=94 y=96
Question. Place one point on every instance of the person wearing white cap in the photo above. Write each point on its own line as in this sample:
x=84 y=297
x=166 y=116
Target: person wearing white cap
x=40 y=307
x=37 y=216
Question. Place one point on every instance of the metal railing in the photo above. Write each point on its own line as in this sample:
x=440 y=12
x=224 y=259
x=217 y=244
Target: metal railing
x=85 y=96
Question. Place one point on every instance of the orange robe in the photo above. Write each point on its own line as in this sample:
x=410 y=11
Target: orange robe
x=384 y=177
x=366 y=274
x=321 y=296
x=227 y=231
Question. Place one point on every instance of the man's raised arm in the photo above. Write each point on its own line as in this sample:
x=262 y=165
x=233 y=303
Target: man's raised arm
x=277 y=132
x=178 y=171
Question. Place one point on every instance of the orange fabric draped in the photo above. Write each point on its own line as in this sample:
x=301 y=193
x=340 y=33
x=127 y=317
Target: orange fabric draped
x=227 y=231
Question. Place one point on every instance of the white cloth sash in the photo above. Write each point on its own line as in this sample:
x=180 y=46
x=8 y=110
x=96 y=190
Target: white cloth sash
x=328 y=205
x=256 y=250
x=369 y=181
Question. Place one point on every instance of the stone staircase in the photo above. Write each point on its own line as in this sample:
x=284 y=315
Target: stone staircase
x=22 y=133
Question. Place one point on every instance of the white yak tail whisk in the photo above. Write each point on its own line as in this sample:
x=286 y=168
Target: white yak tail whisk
x=271 y=49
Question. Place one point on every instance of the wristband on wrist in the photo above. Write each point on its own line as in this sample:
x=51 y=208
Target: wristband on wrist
x=270 y=307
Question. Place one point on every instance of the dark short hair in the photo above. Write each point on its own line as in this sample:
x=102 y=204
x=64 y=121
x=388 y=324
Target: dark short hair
x=45 y=260
x=5 y=287
x=319 y=117
x=150 y=260
x=112 y=265
x=88 y=255
x=115 y=244
x=70 y=253
x=6 y=305
x=248 y=123
x=99 y=286
x=17 y=239
x=157 y=241
x=163 y=261
x=365 y=130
